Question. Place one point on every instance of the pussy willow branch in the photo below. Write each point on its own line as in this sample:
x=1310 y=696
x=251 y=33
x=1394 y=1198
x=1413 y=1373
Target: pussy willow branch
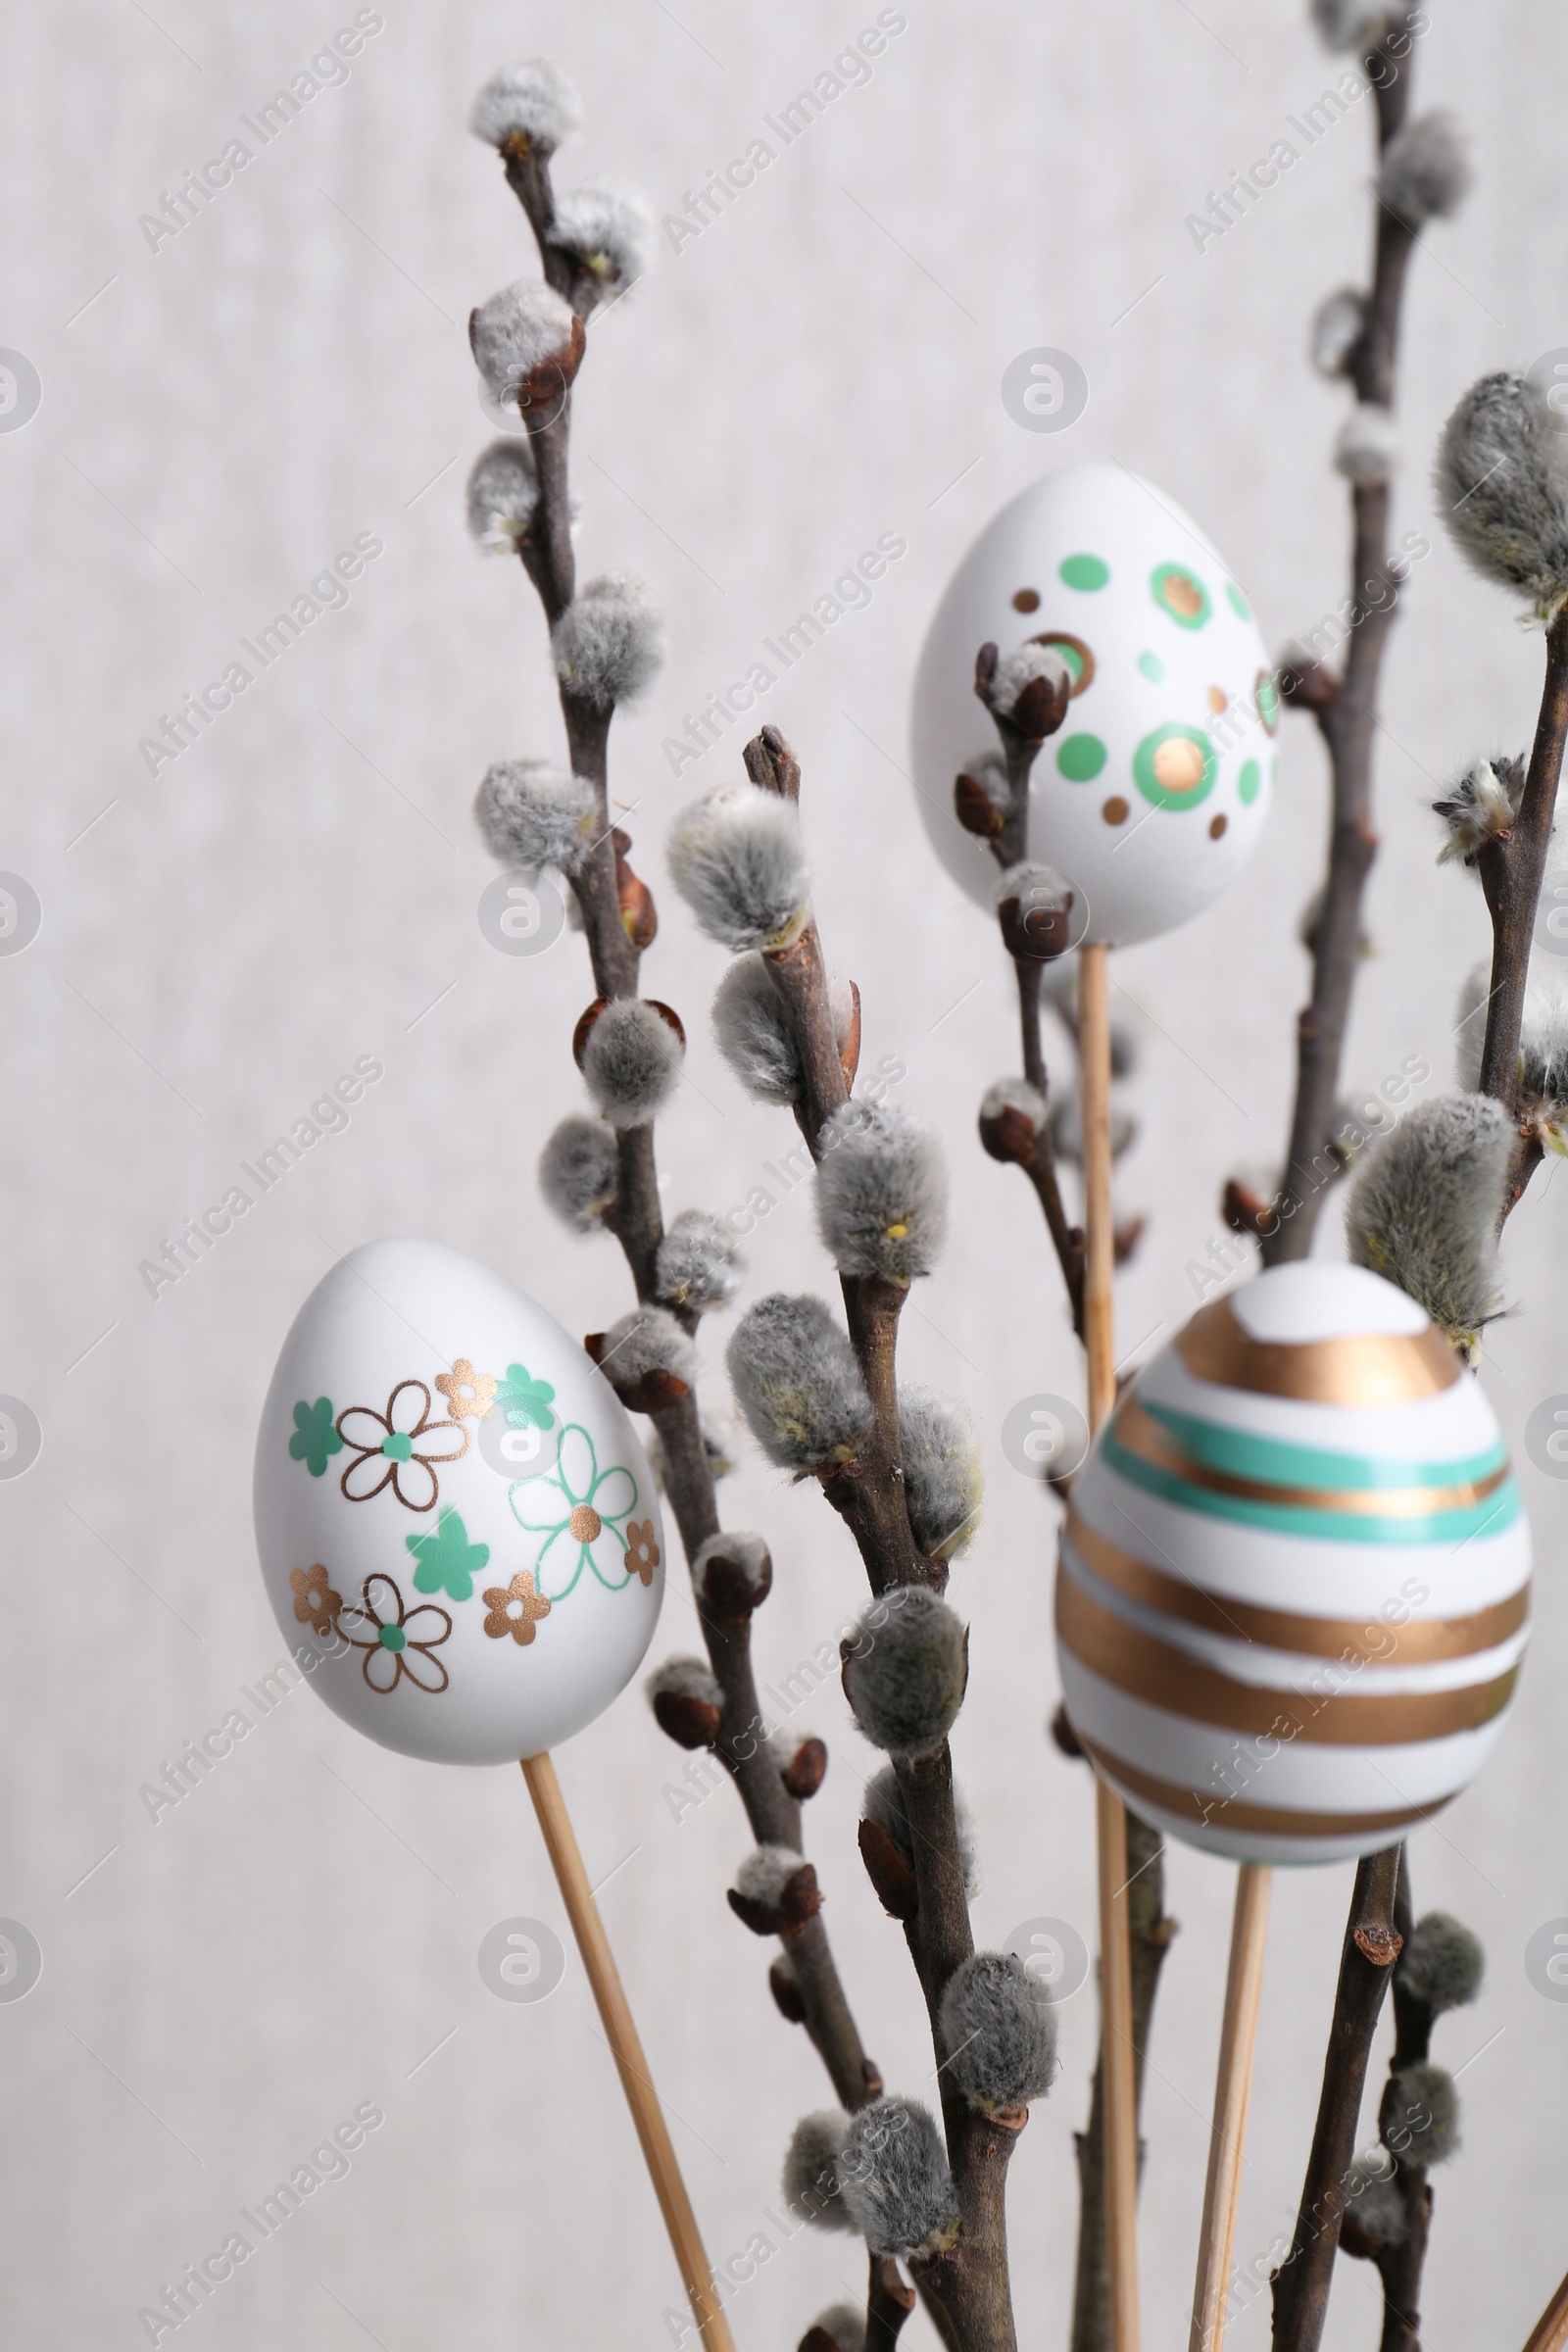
x=1511 y=867
x=637 y=1220
x=1372 y=1944
x=1399 y=2267
x=1149 y=1930
x=967 y=2289
x=1010 y=847
x=1348 y=719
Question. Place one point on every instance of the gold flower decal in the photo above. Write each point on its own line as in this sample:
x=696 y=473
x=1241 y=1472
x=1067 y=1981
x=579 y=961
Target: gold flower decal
x=467 y=1391
x=398 y=1448
x=642 y=1552
x=316 y=1604
x=396 y=1640
x=514 y=1608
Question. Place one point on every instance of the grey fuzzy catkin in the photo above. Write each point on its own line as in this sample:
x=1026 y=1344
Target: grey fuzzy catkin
x=1034 y=885
x=1014 y=1093
x=1502 y=484
x=1357 y=24
x=798 y=1383
x=502 y=494
x=1372 y=2199
x=533 y=813
x=1067 y=1129
x=1423 y=1207
x=882 y=1802
x=1337 y=327
x=943 y=1484
x=752 y=1030
x=631 y=1061
x=698 y=1262
x=766 y=1873
x=609 y=644
x=989 y=770
x=881 y=1191
x=999 y=2027
x=1480 y=806
x=1542 y=1032
x=1442 y=1962
x=532 y=103
x=648 y=1340
x=1426 y=168
x=609 y=227
x=517 y=328
x=1421 y=2115
x=905 y=1671
x=685 y=1677
x=894 y=2181
x=1019 y=669
x=843 y=2326
x=578 y=1174
x=1367 y=450
x=811 y=2182
x=737 y=861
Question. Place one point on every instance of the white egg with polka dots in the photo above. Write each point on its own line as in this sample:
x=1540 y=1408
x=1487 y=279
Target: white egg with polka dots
x=1153 y=794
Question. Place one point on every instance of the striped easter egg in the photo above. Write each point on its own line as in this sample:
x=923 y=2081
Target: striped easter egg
x=1293 y=1585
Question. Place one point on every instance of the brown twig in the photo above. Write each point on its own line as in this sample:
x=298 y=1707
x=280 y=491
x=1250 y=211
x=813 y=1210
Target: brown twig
x=1151 y=1931
x=1372 y=1944
x=1347 y=719
x=1512 y=866
x=966 y=2288
x=636 y=1219
x=1399 y=2267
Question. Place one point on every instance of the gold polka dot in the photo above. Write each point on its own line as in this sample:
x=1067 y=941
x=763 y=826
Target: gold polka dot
x=585 y=1523
x=1183 y=595
x=1179 y=764
x=1216 y=826
x=1027 y=600
x=1114 y=812
x=1217 y=698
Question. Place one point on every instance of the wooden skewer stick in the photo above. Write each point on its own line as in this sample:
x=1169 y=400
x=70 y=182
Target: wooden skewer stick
x=1120 y=2102
x=1551 y=2329
x=1243 y=1985
x=627 y=2050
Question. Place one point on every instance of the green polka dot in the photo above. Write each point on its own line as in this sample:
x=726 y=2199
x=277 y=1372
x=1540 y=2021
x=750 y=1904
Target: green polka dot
x=1151 y=666
x=1084 y=571
x=1081 y=758
x=1268 y=701
x=1181 y=594
x=1250 y=782
x=394 y=1638
x=1167 y=773
x=1068 y=654
x=397 y=1447
x=1236 y=602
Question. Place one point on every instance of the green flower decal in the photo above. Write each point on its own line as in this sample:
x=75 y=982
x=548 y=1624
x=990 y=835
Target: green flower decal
x=314 y=1440
x=585 y=1511
x=448 y=1561
x=524 y=1401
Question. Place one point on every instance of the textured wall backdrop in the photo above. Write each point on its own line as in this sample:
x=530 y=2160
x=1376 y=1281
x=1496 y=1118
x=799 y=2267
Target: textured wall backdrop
x=219 y=417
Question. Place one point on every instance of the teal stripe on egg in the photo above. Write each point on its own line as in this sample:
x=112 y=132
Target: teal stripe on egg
x=1491 y=1516
x=1271 y=1460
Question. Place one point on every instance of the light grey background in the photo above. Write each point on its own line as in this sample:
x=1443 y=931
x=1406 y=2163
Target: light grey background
x=219 y=943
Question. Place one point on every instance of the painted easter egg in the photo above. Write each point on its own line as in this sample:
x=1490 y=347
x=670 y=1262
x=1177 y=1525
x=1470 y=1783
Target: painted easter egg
x=458 y=1527
x=1151 y=794
x=1294 y=1584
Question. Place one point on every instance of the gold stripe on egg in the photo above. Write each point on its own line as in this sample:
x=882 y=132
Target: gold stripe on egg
x=1153 y=1671
x=1140 y=1435
x=1418 y=1641
x=1230 y=1813
x=1363 y=1368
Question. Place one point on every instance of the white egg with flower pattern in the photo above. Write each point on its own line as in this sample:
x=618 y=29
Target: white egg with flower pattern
x=1293 y=1589
x=457 y=1523
x=1153 y=794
